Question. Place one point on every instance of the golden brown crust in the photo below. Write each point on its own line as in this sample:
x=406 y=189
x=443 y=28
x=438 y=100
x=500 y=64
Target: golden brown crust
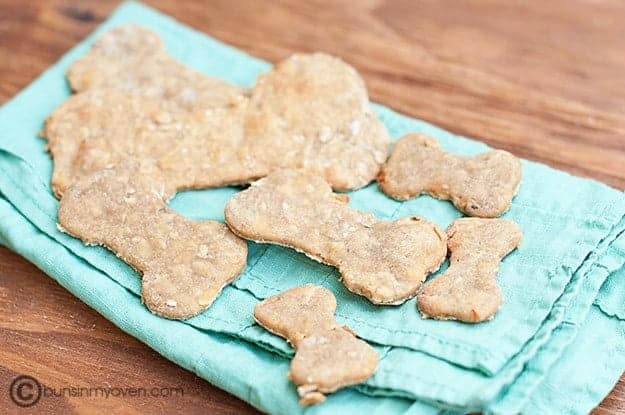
x=385 y=261
x=467 y=290
x=99 y=129
x=282 y=314
x=310 y=111
x=328 y=357
x=133 y=59
x=481 y=186
x=184 y=263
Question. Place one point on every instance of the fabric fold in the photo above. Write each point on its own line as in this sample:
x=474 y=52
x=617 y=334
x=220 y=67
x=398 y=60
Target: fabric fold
x=572 y=256
x=563 y=218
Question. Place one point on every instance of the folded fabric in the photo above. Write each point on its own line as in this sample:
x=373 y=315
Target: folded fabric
x=579 y=380
x=590 y=367
x=243 y=369
x=573 y=245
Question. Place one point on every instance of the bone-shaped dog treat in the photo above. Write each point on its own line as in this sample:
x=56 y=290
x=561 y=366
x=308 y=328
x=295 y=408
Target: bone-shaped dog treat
x=184 y=263
x=132 y=58
x=133 y=85
x=467 y=290
x=328 y=357
x=481 y=186
x=99 y=129
x=385 y=261
x=310 y=111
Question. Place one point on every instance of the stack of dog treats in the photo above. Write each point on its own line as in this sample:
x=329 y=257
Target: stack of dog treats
x=142 y=126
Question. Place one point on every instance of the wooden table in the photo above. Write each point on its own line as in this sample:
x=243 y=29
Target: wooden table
x=544 y=80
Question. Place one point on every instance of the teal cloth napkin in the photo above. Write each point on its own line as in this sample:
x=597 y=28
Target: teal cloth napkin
x=572 y=256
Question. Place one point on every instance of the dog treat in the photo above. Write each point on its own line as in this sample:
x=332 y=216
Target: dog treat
x=385 y=261
x=467 y=290
x=481 y=186
x=310 y=111
x=99 y=129
x=140 y=100
x=184 y=263
x=328 y=356
x=132 y=58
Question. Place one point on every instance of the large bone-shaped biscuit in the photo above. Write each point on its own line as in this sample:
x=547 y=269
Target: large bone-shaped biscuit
x=467 y=290
x=310 y=111
x=135 y=92
x=481 y=186
x=385 y=261
x=184 y=263
x=328 y=357
x=99 y=129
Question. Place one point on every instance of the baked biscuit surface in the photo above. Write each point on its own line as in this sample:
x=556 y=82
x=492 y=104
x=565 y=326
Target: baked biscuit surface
x=133 y=59
x=385 y=261
x=468 y=290
x=328 y=356
x=100 y=129
x=184 y=263
x=481 y=186
x=311 y=111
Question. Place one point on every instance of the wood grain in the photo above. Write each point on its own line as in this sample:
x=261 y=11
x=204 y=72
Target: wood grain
x=542 y=79
x=51 y=335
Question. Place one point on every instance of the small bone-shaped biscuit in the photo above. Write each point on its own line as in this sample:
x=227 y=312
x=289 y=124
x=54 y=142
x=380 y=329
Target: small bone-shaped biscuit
x=184 y=263
x=310 y=111
x=328 y=357
x=385 y=261
x=467 y=290
x=481 y=186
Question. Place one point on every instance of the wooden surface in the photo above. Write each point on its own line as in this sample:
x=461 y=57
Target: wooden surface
x=544 y=79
